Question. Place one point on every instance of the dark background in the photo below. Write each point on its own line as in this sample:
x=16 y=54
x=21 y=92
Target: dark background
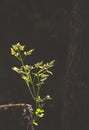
x=45 y=26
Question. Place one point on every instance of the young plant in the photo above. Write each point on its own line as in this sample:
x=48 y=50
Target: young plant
x=34 y=77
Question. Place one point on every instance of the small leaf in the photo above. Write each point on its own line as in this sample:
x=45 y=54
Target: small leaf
x=40 y=115
x=49 y=72
x=43 y=79
x=26 y=53
x=13 y=52
x=35 y=123
x=18 y=46
x=16 y=69
x=25 y=78
x=39 y=64
x=38 y=84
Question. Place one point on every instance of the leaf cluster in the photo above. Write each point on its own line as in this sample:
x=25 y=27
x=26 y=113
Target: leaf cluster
x=34 y=77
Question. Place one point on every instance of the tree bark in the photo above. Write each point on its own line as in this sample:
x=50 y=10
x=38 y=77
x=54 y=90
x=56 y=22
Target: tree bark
x=75 y=115
x=16 y=117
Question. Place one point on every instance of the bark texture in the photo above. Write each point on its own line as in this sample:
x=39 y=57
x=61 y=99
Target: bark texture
x=75 y=114
x=16 y=117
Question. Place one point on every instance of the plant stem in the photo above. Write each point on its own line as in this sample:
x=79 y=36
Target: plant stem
x=30 y=90
x=39 y=86
x=21 y=60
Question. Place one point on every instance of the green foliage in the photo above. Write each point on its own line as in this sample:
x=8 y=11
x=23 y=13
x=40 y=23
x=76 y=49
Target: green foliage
x=34 y=77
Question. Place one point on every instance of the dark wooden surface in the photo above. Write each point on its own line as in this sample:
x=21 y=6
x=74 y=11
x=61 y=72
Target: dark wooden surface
x=76 y=90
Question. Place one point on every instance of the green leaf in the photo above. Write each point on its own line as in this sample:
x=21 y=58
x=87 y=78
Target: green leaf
x=18 y=46
x=35 y=123
x=26 y=53
x=16 y=69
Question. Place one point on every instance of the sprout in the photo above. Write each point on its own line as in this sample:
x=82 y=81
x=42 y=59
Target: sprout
x=34 y=77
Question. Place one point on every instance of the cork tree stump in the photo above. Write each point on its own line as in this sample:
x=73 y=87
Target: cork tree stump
x=16 y=117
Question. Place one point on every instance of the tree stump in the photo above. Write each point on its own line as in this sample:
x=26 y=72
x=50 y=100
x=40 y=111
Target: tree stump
x=16 y=117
